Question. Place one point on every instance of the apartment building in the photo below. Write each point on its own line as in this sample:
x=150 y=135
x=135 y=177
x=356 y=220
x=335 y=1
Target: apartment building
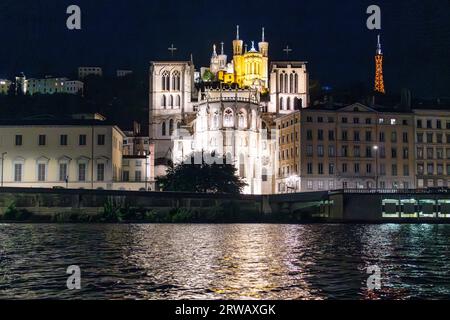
x=432 y=137
x=51 y=85
x=352 y=147
x=69 y=153
x=88 y=71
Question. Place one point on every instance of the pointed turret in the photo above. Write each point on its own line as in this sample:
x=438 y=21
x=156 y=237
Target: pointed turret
x=237 y=44
x=263 y=45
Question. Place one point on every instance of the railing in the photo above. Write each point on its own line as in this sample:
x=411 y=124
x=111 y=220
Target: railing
x=399 y=191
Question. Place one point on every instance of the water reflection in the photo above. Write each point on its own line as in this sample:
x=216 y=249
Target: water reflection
x=224 y=261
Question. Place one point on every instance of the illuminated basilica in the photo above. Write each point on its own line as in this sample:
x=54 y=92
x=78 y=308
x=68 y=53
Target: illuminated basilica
x=227 y=109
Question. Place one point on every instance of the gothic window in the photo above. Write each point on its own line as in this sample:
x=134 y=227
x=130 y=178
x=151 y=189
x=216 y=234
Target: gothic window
x=242 y=123
x=171 y=101
x=178 y=101
x=166 y=81
x=163 y=101
x=163 y=129
x=170 y=127
x=281 y=82
x=228 y=119
x=176 y=81
x=285 y=83
x=295 y=83
x=288 y=103
x=241 y=166
x=291 y=83
x=215 y=121
x=281 y=103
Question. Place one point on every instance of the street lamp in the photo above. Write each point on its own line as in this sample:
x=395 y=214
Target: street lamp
x=3 y=160
x=375 y=148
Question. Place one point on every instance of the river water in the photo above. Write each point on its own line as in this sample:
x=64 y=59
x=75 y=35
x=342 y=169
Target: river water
x=240 y=261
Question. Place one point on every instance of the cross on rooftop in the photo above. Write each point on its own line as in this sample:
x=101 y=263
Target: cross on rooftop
x=172 y=49
x=287 y=50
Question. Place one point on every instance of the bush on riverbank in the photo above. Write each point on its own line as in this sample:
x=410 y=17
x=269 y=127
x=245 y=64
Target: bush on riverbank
x=12 y=213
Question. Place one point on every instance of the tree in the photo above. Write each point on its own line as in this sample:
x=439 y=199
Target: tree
x=202 y=178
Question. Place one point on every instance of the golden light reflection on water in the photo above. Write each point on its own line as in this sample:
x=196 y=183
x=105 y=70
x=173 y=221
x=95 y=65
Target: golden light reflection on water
x=225 y=261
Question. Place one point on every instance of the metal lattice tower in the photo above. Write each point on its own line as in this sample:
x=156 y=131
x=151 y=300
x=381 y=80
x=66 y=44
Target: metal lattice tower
x=379 y=81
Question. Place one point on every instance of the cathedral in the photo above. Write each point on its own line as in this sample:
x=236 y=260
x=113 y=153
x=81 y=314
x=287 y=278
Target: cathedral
x=227 y=109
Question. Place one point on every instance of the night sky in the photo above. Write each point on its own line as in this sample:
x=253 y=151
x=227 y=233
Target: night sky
x=331 y=35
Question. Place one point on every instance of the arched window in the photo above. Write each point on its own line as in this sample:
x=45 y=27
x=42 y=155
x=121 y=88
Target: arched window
x=281 y=103
x=228 y=121
x=171 y=101
x=163 y=101
x=165 y=81
x=295 y=83
x=285 y=83
x=215 y=121
x=241 y=166
x=242 y=122
x=163 y=129
x=170 y=127
x=288 y=103
x=281 y=82
x=178 y=101
x=291 y=83
x=176 y=81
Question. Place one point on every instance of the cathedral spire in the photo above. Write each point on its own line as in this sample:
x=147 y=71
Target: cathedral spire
x=237 y=32
x=214 y=50
x=221 y=48
x=262 y=35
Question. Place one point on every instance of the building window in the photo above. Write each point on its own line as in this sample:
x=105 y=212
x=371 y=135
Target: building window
x=344 y=135
x=393 y=137
x=356 y=167
x=42 y=139
x=420 y=137
x=41 y=171
x=344 y=168
x=405 y=137
x=18 y=140
x=331 y=152
x=82 y=140
x=126 y=176
x=331 y=135
x=310 y=168
x=138 y=176
x=62 y=171
x=419 y=153
x=369 y=168
x=18 y=172
x=429 y=138
x=331 y=168
x=382 y=137
x=163 y=129
x=63 y=139
x=81 y=172
x=394 y=153
x=394 y=170
x=309 y=185
x=320 y=168
x=405 y=170
x=320 y=151
x=100 y=172
x=368 y=136
x=101 y=139
x=320 y=135
x=309 y=135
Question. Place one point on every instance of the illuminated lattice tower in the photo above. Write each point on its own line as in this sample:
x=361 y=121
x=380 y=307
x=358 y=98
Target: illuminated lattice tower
x=379 y=81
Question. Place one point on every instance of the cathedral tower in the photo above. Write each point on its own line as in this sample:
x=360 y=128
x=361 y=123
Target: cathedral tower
x=379 y=81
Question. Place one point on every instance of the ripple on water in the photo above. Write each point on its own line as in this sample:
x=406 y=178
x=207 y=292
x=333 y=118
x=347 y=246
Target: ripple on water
x=224 y=261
